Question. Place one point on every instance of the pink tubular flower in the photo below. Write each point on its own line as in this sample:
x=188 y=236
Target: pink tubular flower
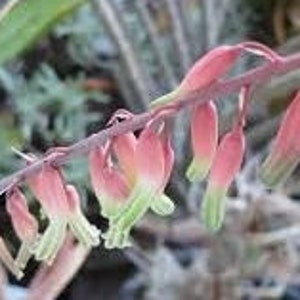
x=109 y=184
x=24 y=224
x=206 y=70
x=145 y=164
x=210 y=68
x=149 y=159
x=285 y=152
x=113 y=184
x=213 y=66
x=61 y=205
x=226 y=164
x=204 y=136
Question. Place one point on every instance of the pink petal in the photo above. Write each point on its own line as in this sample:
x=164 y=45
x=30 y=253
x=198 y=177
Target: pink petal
x=106 y=181
x=150 y=159
x=97 y=163
x=24 y=223
x=49 y=188
x=285 y=153
x=169 y=156
x=210 y=67
x=228 y=159
x=204 y=137
x=124 y=147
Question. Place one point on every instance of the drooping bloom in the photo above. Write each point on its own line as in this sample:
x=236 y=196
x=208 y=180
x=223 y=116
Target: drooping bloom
x=209 y=68
x=62 y=206
x=212 y=67
x=109 y=184
x=24 y=224
x=226 y=164
x=149 y=158
x=285 y=152
x=145 y=165
x=204 y=138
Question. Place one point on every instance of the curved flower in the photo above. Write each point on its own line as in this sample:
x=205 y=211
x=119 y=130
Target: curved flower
x=226 y=164
x=204 y=137
x=109 y=184
x=207 y=69
x=62 y=208
x=24 y=224
x=285 y=152
x=162 y=204
x=213 y=66
x=210 y=68
x=150 y=168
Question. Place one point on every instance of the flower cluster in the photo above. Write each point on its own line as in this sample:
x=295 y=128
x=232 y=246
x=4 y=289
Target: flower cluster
x=129 y=173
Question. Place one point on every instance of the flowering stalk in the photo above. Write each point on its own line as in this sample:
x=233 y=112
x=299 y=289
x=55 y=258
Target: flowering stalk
x=255 y=76
x=62 y=207
x=285 y=152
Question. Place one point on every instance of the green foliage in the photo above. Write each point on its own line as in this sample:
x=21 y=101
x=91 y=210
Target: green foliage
x=16 y=25
x=87 y=38
x=55 y=110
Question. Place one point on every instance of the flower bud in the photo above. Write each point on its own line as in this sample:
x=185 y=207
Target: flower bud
x=207 y=69
x=285 y=151
x=204 y=137
x=226 y=165
x=210 y=68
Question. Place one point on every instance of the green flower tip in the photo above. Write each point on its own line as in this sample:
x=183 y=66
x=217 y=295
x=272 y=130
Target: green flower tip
x=163 y=206
x=273 y=173
x=213 y=209
x=197 y=171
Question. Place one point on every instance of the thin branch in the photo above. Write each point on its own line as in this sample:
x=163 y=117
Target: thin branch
x=108 y=14
x=157 y=46
x=179 y=34
x=256 y=76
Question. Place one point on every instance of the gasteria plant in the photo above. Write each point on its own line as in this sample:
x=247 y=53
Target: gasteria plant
x=131 y=161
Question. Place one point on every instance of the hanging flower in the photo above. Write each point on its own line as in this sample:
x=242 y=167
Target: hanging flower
x=149 y=159
x=208 y=69
x=109 y=184
x=62 y=206
x=204 y=137
x=226 y=164
x=140 y=174
x=24 y=224
x=285 y=152
x=213 y=66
